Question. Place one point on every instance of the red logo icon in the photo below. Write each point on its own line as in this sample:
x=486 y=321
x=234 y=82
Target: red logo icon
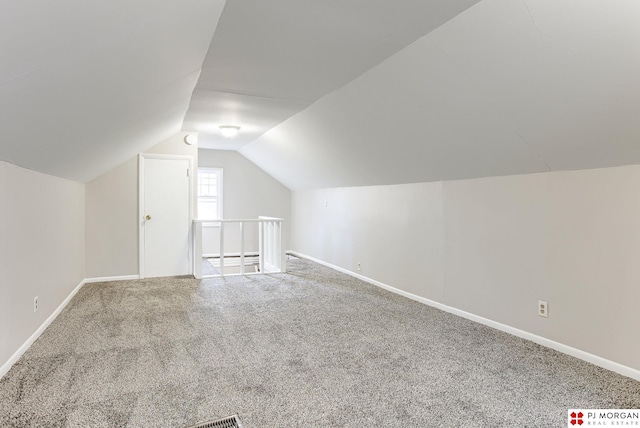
x=576 y=418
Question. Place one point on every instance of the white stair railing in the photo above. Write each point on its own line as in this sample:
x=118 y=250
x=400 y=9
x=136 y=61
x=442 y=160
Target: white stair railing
x=271 y=252
x=271 y=255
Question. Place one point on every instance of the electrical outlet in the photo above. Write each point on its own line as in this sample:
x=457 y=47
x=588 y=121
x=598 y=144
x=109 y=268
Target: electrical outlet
x=359 y=266
x=325 y=202
x=35 y=304
x=543 y=308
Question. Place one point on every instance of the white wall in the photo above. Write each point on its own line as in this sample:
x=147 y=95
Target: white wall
x=395 y=232
x=41 y=250
x=594 y=252
x=496 y=243
x=6 y=348
x=495 y=246
x=112 y=227
x=112 y=214
x=248 y=192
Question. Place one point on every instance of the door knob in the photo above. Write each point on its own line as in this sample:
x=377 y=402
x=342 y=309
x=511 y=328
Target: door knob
x=148 y=217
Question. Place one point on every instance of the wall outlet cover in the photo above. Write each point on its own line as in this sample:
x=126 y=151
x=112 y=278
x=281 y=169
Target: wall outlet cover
x=543 y=308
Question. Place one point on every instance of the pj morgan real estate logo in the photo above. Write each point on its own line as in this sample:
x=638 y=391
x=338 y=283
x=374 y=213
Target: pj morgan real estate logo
x=603 y=418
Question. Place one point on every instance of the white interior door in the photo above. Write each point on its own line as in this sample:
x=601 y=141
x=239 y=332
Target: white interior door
x=165 y=211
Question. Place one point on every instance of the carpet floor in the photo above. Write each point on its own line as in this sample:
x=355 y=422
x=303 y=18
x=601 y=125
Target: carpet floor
x=208 y=268
x=310 y=348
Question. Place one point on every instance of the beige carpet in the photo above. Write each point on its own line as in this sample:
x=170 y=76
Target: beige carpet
x=310 y=348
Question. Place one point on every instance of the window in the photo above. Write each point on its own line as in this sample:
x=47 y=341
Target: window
x=210 y=194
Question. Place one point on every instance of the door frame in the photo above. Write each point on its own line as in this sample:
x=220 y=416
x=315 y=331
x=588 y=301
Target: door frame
x=141 y=204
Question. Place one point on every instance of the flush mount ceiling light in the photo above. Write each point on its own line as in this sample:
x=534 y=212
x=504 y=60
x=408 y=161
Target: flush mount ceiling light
x=191 y=139
x=229 y=131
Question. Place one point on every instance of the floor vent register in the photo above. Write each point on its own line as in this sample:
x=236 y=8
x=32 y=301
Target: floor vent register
x=228 y=422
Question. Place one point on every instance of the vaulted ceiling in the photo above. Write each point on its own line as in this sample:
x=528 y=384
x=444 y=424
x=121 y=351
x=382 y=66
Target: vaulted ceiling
x=271 y=59
x=506 y=87
x=328 y=93
x=86 y=85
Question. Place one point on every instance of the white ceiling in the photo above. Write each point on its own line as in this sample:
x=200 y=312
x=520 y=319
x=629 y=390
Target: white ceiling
x=328 y=93
x=86 y=85
x=507 y=87
x=271 y=59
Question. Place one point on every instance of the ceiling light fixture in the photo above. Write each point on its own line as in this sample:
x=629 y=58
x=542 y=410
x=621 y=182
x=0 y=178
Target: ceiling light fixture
x=191 y=139
x=229 y=131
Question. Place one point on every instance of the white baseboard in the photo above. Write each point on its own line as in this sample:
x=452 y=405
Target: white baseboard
x=16 y=356
x=111 y=278
x=560 y=347
x=4 y=369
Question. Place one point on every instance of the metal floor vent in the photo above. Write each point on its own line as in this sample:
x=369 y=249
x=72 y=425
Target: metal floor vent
x=228 y=422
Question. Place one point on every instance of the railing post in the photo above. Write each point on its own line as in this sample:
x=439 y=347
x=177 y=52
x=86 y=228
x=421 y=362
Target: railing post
x=283 y=261
x=221 y=248
x=267 y=246
x=197 y=250
x=272 y=234
x=261 y=246
x=242 y=248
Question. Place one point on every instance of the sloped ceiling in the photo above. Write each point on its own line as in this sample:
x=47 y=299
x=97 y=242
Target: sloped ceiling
x=506 y=87
x=86 y=85
x=270 y=59
x=329 y=93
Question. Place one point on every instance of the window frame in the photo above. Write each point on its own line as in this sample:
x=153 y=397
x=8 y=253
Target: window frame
x=219 y=197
